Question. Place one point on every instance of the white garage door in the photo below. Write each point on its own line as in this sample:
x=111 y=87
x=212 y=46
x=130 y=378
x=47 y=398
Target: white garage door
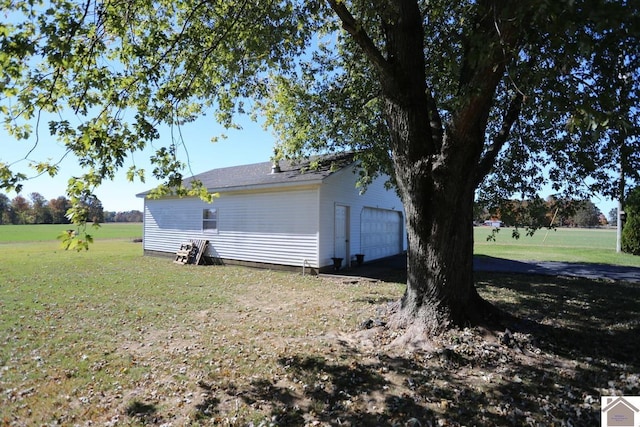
x=380 y=233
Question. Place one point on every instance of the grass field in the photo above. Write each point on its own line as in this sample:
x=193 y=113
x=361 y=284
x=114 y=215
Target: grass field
x=108 y=337
x=91 y=336
x=562 y=244
x=44 y=232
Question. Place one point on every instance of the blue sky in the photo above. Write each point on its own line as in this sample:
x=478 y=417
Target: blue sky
x=251 y=144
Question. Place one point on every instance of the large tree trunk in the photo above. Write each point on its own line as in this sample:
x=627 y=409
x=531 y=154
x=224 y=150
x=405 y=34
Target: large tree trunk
x=436 y=176
x=438 y=166
x=440 y=291
x=436 y=183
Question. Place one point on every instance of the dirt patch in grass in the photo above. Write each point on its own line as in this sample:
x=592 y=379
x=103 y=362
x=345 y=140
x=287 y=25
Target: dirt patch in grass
x=249 y=347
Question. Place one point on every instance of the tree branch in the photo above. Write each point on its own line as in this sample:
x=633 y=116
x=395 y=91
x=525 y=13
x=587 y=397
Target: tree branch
x=488 y=159
x=360 y=36
x=435 y=120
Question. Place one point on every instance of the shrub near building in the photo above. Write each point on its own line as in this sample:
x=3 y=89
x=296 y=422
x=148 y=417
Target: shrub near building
x=631 y=230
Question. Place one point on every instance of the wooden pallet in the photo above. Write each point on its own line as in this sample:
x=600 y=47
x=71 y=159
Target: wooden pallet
x=200 y=248
x=191 y=252
x=184 y=253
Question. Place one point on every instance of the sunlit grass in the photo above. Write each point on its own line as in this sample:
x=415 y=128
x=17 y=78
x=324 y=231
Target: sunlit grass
x=110 y=337
x=562 y=244
x=47 y=232
x=79 y=331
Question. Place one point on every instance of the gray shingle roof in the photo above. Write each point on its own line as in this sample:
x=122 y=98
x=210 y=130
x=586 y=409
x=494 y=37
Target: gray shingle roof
x=259 y=174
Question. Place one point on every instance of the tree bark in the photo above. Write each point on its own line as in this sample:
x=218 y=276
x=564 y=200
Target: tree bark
x=437 y=173
x=438 y=167
x=440 y=291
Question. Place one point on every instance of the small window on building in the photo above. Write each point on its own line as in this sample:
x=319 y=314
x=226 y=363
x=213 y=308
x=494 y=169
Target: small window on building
x=210 y=220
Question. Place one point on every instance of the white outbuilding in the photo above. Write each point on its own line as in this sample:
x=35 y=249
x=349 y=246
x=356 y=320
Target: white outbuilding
x=286 y=215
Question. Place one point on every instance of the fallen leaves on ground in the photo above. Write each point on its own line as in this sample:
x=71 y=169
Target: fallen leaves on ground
x=291 y=351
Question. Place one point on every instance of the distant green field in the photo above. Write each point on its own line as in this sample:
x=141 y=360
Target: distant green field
x=46 y=232
x=562 y=244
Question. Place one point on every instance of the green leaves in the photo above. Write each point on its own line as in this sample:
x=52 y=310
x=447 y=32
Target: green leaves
x=77 y=240
x=46 y=167
x=9 y=179
x=107 y=76
x=112 y=73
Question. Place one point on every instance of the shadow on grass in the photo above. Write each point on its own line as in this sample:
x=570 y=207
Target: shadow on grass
x=571 y=317
x=575 y=340
x=332 y=393
x=143 y=412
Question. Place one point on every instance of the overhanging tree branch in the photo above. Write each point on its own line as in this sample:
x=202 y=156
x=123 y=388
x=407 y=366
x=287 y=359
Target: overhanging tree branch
x=488 y=159
x=360 y=36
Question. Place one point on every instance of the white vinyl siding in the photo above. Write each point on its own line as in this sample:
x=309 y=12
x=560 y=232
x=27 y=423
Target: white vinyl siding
x=279 y=227
x=340 y=188
x=287 y=225
x=169 y=222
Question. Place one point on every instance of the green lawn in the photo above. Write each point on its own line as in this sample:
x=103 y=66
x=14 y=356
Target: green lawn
x=89 y=336
x=110 y=337
x=44 y=232
x=562 y=244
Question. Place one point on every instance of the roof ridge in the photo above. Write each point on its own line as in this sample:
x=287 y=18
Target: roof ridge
x=259 y=175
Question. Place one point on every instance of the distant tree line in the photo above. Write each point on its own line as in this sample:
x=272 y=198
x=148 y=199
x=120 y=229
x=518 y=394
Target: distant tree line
x=37 y=210
x=539 y=212
x=128 y=216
